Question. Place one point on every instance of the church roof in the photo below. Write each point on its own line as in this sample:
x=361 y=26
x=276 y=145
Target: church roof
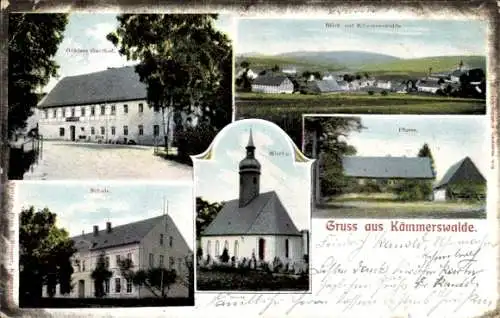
x=388 y=167
x=463 y=171
x=264 y=215
x=130 y=233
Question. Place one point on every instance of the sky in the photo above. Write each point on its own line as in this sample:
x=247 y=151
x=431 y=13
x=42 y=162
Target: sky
x=450 y=138
x=88 y=31
x=409 y=39
x=217 y=180
x=79 y=207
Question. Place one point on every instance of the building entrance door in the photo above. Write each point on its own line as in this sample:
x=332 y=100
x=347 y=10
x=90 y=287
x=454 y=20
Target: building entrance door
x=81 y=288
x=72 y=133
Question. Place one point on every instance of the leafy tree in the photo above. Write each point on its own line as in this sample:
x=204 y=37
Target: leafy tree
x=100 y=275
x=243 y=81
x=33 y=41
x=306 y=74
x=45 y=255
x=276 y=68
x=425 y=151
x=184 y=61
x=331 y=148
x=245 y=64
x=205 y=214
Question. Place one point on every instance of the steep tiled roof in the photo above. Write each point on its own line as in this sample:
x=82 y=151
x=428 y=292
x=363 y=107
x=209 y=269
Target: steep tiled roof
x=120 y=235
x=388 y=167
x=463 y=171
x=114 y=84
x=270 y=79
x=264 y=215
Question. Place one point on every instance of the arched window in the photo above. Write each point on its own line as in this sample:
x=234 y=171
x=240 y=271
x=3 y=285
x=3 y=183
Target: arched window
x=209 y=247
x=226 y=245
x=216 y=248
x=236 y=248
x=287 y=248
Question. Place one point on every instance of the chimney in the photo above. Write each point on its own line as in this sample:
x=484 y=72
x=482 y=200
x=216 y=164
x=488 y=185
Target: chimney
x=108 y=227
x=96 y=230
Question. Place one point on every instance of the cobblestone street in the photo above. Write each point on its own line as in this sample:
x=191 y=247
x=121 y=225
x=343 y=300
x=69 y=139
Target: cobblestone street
x=68 y=160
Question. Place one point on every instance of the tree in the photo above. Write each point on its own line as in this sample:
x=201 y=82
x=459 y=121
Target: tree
x=205 y=214
x=243 y=81
x=32 y=43
x=425 y=152
x=100 y=275
x=245 y=65
x=276 y=68
x=185 y=63
x=325 y=134
x=45 y=255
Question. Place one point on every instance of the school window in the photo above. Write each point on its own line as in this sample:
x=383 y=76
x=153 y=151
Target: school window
x=170 y=241
x=117 y=260
x=125 y=130
x=151 y=260
x=217 y=248
x=161 y=239
x=82 y=110
x=83 y=266
x=235 y=248
x=171 y=263
x=287 y=248
x=156 y=130
x=64 y=112
x=54 y=113
x=61 y=132
x=92 y=130
x=103 y=109
x=118 y=285
x=106 y=262
x=209 y=247
x=129 y=286
x=113 y=109
x=113 y=130
x=161 y=260
x=141 y=108
x=103 y=130
x=72 y=112
x=226 y=245
x=141 y=130
x=92 y=111
x=125 y=109
x=46 y=114
x=106 y=286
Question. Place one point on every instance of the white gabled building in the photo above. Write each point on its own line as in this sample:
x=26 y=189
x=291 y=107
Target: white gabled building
x=154 y=242
x=273 y=83
x=105 y=106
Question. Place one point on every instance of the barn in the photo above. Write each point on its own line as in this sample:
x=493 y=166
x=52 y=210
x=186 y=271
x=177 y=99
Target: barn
x=273 y=83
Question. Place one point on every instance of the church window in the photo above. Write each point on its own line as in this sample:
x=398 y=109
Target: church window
x=226 y=245
x=217 y=248
x=287 y=248
x=235 y=248
x=209 y=247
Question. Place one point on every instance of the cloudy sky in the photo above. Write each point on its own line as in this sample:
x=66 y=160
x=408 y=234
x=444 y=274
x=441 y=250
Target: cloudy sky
x=409 y=39
x=217 y=180
x=88 y=31
x=450 y=138
x=78 y=207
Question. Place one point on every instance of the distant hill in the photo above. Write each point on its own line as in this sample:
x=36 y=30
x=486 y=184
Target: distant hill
x=262 y=62
x=422 y=65
x=349 y=59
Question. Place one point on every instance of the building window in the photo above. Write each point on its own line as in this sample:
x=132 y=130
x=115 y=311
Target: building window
x=54 y=113
x=73 y=112
x=46 y=114
x=151 y=260
x=61 y=132
x=156 y=130
x=161 y=239
x=92 y=111
x=103 y=109
x=117 y=260
x=161 y=260
x=77 y=264
x=179 y=265
x=170 y=241
x=92 y=130
x=106 y=286
x=235 y=248
x=125 y=109
x=129 y=256
x=141 y=108
x=113 y=109
x=226 y=245
x=125 y=130
x=129 y=286
x=113 y=130
x=83 y=266
x=82 y=110
x=287 y=248
x=171 y=263
x=209 y=247
x=106 y=261
x=216 y=248
x=141 y=130
x=103 y=130
x=118 y=285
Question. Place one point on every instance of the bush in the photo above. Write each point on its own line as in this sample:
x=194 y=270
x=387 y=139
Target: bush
x=413 y=190
x=225 y=256
x=384 y=93
x=371 y=92
x=194 y=140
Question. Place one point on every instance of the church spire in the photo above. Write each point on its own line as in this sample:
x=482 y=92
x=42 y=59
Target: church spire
x=249 y=174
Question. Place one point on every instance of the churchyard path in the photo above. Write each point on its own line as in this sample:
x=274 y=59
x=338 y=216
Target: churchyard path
x=69 y=160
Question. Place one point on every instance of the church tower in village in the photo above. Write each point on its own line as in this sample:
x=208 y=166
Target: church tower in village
x=249 y=175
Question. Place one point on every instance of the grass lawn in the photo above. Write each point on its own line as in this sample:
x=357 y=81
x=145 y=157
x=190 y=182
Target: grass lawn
x=382 y=208
x=258 y=105
x=248 y=281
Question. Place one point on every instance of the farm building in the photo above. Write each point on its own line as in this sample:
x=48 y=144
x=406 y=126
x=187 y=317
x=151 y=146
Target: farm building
x=428 y=86
x=324 y=86
x=461 y=181
x=272 y=83
x=255 y=225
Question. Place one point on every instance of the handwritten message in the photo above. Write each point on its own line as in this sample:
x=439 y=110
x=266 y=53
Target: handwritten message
x=448 y=273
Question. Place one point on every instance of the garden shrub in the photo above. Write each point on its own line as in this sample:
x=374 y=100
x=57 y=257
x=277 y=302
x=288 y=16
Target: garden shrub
x=384 y=93
x=413 y=190
x=371 y=92
x=225 y=256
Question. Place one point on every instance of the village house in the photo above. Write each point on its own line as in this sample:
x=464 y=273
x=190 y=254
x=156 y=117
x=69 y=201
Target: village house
x=154 y=242
x=462 y=173
x=387 y=85
x=256 y=226
x=273 y=83
x=428 y=86
x=105 y=106
x=324 y=86
x=289 y=70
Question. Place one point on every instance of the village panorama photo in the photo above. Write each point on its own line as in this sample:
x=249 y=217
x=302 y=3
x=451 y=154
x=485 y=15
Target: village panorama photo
x=105 y=96
x=98 y=246
x=253 y=208
x=399 y=167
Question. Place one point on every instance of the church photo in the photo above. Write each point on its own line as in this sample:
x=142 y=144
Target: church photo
x=253 y=202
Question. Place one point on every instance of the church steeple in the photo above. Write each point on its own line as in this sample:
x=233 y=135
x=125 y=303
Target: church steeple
x=249 y=174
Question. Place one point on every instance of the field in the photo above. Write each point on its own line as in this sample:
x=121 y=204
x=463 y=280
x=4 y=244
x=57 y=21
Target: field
x=260 y=105
x=248 y=281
